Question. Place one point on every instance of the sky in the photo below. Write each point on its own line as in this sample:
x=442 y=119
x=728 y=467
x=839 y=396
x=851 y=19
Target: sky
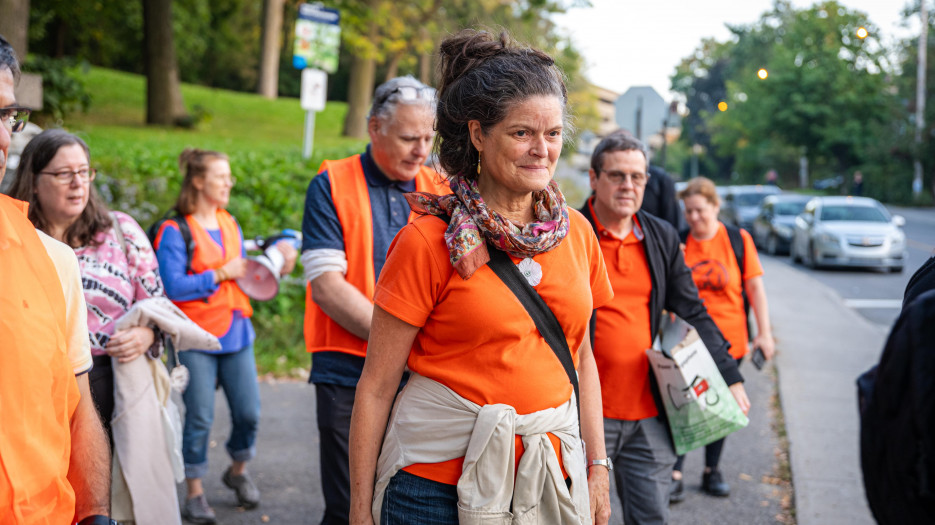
x=640 y=42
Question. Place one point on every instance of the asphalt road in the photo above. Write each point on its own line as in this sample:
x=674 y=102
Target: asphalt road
x=875 y=294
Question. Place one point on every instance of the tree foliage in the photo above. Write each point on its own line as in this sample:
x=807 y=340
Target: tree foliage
x=218 y=42
x=828 y=94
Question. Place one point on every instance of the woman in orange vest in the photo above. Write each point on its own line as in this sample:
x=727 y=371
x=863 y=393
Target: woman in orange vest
x=206 y=290
x=722 y=283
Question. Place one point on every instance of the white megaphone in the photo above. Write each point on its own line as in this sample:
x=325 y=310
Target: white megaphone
x=261 y=282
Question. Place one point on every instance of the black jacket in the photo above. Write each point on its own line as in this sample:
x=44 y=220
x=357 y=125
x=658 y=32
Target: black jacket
x=674 y=290
x=660 y=198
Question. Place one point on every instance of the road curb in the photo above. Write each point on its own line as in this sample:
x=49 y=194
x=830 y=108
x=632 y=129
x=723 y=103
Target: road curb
x=823 y=346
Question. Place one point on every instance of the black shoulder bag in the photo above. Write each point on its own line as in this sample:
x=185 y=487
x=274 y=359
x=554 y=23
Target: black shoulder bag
x=541 y=314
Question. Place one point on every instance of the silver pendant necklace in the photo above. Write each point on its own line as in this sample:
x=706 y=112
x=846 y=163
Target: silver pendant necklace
x=531 y=270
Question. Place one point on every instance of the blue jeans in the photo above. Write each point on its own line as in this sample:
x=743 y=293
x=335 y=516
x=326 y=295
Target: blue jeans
x=413 y=499
x=236 y=373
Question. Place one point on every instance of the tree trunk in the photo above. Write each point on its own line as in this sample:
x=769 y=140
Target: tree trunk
x=392 y=69
x=164 y=105
x=360 y=89
x=425 y=61
x=268 y=83
x=359 y=93
x=14 y=25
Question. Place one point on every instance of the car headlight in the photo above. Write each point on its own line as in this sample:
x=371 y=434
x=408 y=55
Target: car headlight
x=784 y=231
x=898 y=239
x=828 y=239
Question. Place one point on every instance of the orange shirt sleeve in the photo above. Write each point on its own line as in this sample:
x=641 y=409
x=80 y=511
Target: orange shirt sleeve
x=601 y=291
x=413 y=276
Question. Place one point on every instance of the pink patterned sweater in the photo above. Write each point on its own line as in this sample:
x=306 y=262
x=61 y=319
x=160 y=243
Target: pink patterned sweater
x=114 y=280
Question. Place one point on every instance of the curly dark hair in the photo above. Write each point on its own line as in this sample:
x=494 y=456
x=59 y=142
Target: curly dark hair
x=482 y=77
x=94 y=219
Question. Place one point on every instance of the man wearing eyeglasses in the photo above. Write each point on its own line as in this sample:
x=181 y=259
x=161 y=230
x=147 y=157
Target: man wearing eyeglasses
x=648 y=274
x=54 y=457
x=353 y=209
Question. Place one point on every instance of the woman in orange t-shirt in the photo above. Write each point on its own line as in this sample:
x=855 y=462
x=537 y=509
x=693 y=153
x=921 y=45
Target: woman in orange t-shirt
x=485 y=386
x=721 y=283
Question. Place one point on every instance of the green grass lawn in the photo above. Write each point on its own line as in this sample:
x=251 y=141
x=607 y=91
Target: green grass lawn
x=233 y=121
x=138 y=174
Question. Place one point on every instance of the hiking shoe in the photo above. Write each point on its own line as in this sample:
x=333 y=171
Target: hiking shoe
x=197 y=510
x=247 y=494
x=712 y=483
x=676 y=491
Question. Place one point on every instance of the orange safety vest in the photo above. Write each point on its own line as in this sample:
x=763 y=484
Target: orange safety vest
x=214 y=313
x=38 y=390
x=352 y=203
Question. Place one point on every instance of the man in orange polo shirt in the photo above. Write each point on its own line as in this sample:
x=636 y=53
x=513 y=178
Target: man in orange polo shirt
x=648 y=274
x=353 y=209
x=54 y=458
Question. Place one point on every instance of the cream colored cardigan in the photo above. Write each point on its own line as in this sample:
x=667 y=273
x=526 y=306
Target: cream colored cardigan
x=431 y=423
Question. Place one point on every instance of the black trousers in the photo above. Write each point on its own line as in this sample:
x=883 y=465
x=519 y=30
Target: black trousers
x=334 y=405
x=101 y=380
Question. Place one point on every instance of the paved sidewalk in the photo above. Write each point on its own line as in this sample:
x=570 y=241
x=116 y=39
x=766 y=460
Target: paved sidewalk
x=824 y=346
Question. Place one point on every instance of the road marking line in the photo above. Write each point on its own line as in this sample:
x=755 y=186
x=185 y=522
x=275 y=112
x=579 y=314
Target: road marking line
x=873 y=303
x=920 y=245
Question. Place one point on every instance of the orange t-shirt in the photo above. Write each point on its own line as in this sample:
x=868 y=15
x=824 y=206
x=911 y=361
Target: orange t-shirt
x=476 y=338
x=717 y=276
x=622 y=332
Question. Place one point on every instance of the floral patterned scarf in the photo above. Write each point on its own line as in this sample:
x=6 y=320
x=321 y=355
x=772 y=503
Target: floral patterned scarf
x=473 y=223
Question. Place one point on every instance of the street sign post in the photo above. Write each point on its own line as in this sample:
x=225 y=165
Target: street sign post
x=314 y=95
x=315 y=52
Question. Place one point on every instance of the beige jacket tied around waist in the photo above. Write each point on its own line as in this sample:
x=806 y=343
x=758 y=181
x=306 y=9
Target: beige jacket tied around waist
x=431 y=423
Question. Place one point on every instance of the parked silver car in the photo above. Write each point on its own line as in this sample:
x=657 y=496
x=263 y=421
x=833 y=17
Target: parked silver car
x=849 y=231
x=741 y=204
x=772 y=228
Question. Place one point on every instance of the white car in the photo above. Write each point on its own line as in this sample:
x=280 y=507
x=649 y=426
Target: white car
x=849 y=231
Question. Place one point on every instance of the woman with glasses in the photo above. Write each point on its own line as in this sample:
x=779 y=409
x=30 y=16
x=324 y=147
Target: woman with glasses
x=487 y=428
x=117 y=264
x=206 y=290
x=54 y=176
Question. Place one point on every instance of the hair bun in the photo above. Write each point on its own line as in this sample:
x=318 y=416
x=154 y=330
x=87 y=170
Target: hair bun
x=467 y=49
x=186 y=156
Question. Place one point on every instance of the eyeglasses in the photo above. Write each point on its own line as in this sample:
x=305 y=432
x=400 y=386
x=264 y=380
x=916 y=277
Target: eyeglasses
x=410 y=93
x=617 y=177
x=14 y=118
x=230 y=179
x=66 y=176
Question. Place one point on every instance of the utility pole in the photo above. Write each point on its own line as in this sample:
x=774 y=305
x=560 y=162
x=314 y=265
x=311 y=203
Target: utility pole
x=920 y=99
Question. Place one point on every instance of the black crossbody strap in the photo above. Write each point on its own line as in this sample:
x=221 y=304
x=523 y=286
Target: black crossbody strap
x=540 y=312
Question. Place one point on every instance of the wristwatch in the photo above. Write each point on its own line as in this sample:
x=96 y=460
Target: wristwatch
x=97 y=519
x=606 y=462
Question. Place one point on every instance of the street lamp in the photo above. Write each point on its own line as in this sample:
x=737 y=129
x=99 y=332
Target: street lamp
x=762 y=73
